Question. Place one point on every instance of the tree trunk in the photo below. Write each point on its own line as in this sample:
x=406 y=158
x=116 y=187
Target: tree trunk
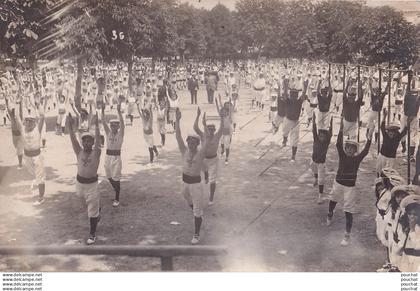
x=78 y=94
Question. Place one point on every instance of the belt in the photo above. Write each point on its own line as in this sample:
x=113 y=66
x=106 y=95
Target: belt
x=113 y=152
x=190 y=179
x=16 y=132
x=313 y=105
x=83 y=180
x=338 y=91
x=32 y=153
x=211 y=157
x=259 y=89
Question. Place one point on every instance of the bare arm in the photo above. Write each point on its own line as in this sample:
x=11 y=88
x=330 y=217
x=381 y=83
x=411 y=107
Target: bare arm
x=90 y=116
x=339 y=143
x=217 y=106
x=121 y=119
x=179 y=139
x=73 y=139
x=97 y=145
x=104 y=123
x=196 y=128
x=41 y=120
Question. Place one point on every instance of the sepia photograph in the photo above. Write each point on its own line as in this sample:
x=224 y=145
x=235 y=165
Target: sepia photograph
x=205 y=136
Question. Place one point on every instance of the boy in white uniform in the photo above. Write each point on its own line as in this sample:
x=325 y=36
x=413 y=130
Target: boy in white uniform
x=33 y=158
x=114 y=140
x=146 y=116
x=16 y=131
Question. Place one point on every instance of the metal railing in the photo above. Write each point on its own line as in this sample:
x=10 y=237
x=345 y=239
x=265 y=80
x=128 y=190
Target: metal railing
x=165 y=253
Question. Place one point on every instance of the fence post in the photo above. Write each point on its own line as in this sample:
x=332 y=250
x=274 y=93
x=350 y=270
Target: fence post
x=166 y=263
x=359 y=95
x=379 y=112
x=389 y=93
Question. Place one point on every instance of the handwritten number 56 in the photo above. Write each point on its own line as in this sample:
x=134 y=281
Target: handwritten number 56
x=115 y=36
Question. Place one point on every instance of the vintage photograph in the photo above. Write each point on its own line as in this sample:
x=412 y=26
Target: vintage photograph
x=209 y=136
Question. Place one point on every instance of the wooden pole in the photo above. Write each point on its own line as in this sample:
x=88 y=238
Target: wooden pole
x=408 y=150
x=379 y=112
x=116 y=250
x=389 y=93
x=358 y=98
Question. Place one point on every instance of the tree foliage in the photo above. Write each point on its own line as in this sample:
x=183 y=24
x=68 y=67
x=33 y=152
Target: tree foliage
x=337 y=31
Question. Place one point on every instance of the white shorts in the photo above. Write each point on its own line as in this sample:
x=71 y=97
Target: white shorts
x=113 y=165
x=18 y=143
x=338 y=99
x=319 y=169
x=171 y=115
x=323 y=120
x=61 y=120
x=413 y=129
x=226 y=140
x=372 y=120
x=194 y=195
x=384 y=162
x=309 y=109
x=350 y=129
x=35 y=167
x=382 y=229
x=211 y=166
x=292 y=127
x=3 y=113
x=44 y=130
x=259 y=95
x=349 y=196
x=398 y=109
x=90 y=194
x=161 y=126
x=149 y=140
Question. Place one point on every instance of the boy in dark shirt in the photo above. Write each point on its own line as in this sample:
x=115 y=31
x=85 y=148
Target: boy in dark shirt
x=291 y=124
x=345 y=180
x=351 y=108
x=322 y=140
x=376 y=104
x=391 y=139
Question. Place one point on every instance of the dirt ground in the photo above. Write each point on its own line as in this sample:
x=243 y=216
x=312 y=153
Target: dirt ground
x=268 y=223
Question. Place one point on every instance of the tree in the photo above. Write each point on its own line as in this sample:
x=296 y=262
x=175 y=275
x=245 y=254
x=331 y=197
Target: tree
x=339 y=28
x=220 y=33
x=259 y=23
x=21 y=26
x=389 y=37
x=190 y=31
